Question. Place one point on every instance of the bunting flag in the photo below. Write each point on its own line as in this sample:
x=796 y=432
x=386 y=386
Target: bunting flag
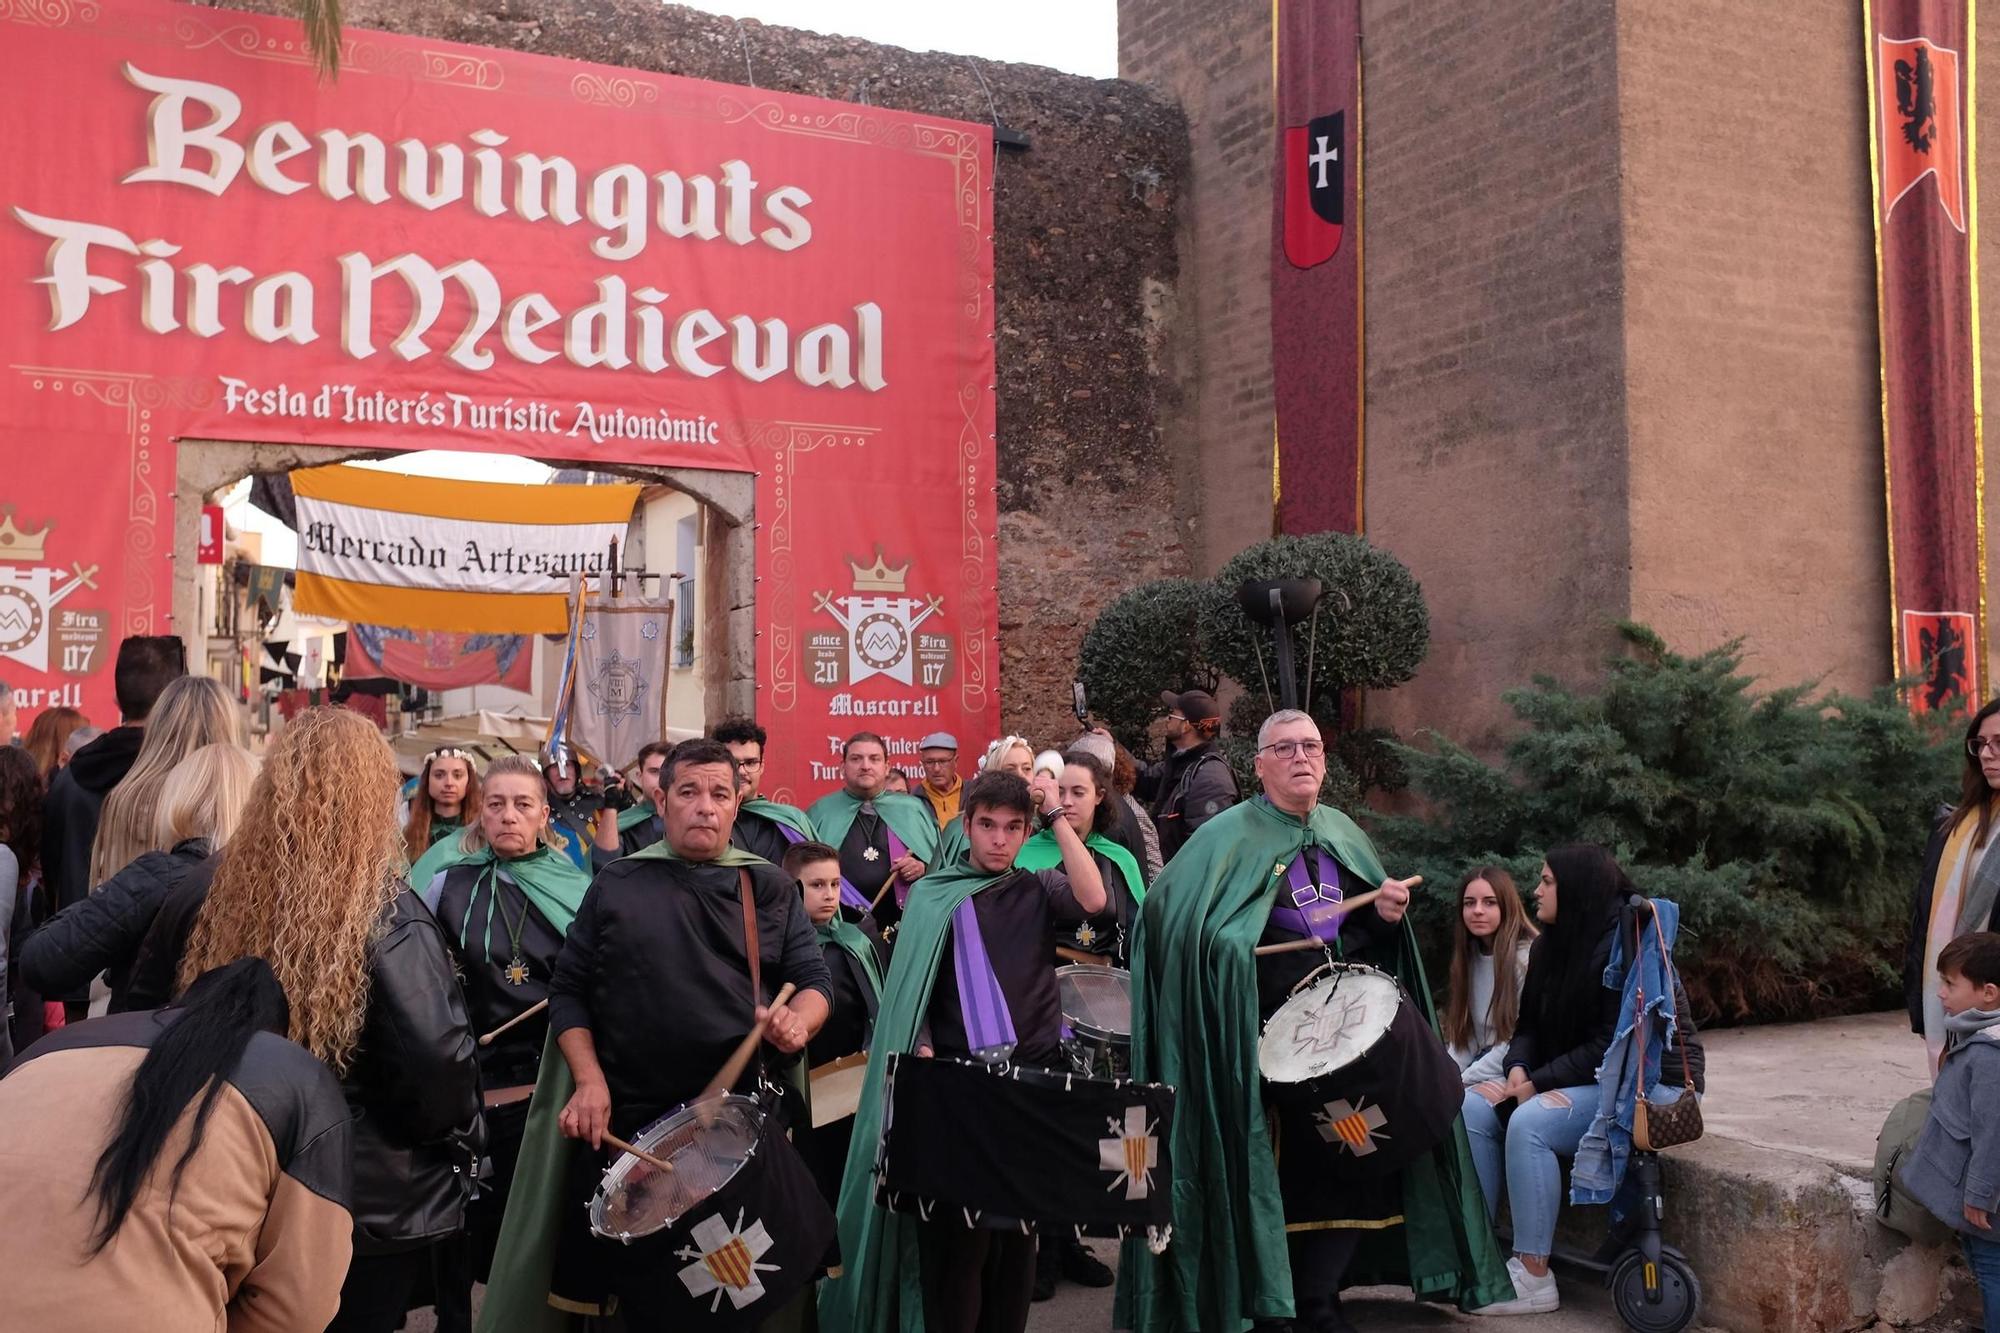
x=618 y=686
x=1920 y=85
x=474 y=557
x=1316 y=352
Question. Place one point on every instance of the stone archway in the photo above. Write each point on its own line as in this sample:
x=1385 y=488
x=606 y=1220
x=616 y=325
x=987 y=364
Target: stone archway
x=729 y=560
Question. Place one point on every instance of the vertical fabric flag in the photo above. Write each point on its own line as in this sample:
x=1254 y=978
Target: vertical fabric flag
x=1920 y=90
x=1316 y=353
x=618 y=691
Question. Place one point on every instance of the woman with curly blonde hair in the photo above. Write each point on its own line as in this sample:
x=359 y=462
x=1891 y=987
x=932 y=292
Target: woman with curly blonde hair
x=311 y=884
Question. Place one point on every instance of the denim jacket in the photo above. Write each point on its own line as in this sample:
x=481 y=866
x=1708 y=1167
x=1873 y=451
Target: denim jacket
x=1607 y=1144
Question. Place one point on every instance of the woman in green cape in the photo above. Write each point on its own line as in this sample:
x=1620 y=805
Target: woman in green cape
x=1090 y=806
x=505 y=894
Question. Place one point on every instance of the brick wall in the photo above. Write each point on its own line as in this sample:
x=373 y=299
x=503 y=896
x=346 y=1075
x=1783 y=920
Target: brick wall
x=1495 y=460
x=1085 y=275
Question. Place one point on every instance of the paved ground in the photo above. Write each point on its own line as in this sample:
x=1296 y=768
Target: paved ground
x=1380 y=1310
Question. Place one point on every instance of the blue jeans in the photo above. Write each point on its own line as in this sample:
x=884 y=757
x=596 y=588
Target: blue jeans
x=1549 y=1126
x=1982 y=1256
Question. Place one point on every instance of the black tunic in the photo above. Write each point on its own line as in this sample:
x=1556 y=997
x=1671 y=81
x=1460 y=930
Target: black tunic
x=854 y=1000
x=1017 y=922
x=1109 y=933
x=759 y=836
x=655 y=966
x=868 y=833
x=482 y=950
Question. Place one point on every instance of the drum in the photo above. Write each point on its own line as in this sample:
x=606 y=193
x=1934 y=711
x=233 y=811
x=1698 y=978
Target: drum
x=1000 y=1147
x=1097 y=1018
x=1350 y=1060
x=727 y=1237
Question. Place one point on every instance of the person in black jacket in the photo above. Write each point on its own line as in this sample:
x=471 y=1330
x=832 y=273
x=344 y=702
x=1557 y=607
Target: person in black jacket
x=312 y=884
x=199 y=805
x=1193 y=784
x=1550 y=1096
x=147 y=664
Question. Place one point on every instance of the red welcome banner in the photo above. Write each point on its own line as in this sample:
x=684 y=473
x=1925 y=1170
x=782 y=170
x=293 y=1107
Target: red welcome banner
x=1316 y=265
x=1920 y=81
x=455 y=247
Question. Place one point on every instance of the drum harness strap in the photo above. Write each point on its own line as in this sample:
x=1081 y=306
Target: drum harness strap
x=767 y=1089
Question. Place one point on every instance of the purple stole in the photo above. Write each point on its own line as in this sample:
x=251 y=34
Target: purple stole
x=989 y=1026
x=1310 y=903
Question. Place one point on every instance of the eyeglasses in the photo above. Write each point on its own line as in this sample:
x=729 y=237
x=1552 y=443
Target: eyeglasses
x=749 y=763
x=1288 y=749
x=1983 y=745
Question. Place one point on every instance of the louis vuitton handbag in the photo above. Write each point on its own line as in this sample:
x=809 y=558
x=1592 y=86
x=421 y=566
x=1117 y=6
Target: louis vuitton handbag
x=1658 y=1125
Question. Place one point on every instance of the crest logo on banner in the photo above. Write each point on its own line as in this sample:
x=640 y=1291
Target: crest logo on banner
x=1920 y=87
x=1938 y=647
x=29 y=595
x=619 y=677
x=726 y=1261
x=1315 y=189
x=1131 y=1153
x=881 y=630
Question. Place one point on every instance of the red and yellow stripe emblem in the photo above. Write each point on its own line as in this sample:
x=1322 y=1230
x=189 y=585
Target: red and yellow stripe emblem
x=730 y=1264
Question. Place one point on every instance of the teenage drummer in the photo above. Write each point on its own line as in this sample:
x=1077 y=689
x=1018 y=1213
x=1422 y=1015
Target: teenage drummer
x=1001 y=921
x=1090 y=807
x=1269 y=871
x=652 y=993
x=504 y=894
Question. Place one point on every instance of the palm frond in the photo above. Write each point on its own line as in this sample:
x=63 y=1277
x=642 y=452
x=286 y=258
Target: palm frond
x=322 y=22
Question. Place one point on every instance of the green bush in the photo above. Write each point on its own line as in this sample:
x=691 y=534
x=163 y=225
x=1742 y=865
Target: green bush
x=1373 y=627
x=1155 y=637
x=1788 y=826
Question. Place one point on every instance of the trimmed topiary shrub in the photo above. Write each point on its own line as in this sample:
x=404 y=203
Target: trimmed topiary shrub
x=1155 y=637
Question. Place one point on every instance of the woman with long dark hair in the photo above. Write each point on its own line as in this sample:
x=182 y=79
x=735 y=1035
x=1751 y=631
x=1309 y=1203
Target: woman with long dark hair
x=1958 y=889
x=445 y=802
x=1567 y=1021
x=20 y=882
x=176 y=1169
x=1489 y=965
x=312 y=884
x=1083 y=788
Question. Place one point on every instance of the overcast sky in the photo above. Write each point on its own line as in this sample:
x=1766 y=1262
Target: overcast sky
x=1080 y=36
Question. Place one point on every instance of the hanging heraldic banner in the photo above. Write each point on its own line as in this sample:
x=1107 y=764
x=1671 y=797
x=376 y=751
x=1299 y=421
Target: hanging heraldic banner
x=1920 y=82
x=462 y=247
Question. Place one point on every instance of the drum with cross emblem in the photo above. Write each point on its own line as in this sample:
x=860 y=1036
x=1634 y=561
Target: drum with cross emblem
x=1357 y=1074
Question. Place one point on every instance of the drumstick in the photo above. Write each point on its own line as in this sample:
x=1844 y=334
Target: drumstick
x=733 y=1068
x=880 y=894
x=1314 y=941
x=521 y=1017
x=640 y=1153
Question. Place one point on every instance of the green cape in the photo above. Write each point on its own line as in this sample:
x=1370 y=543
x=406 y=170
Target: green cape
x=833 y=814
x=550 y=880
x=790 y=816
x=1195 y=1026
x=1041 y=853
x=632 y=816
x=880 y=1289
x=517 y=1295
x=855 y=940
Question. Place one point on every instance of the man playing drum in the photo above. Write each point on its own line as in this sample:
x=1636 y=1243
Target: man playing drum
x=1247 y=1250
x=652 y=993
x=971 y=979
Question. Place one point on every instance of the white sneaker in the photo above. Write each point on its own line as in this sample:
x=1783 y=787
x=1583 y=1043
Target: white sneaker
x=1532 y=1295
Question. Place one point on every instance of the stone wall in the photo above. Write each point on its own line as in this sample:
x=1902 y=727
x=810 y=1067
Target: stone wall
x=1085 y=273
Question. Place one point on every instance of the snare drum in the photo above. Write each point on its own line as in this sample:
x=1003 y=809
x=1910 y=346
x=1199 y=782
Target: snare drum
x=1097 y=1019
x=1350 y=1063
x=725 y=1239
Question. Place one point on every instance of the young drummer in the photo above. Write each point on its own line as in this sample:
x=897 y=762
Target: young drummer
x=855 y=962
x=980 y=912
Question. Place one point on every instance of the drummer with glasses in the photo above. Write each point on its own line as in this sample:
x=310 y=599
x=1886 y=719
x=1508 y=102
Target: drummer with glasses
x=1276 y=870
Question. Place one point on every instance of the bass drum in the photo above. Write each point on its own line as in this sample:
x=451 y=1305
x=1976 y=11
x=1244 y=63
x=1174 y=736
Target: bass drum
x=1350 y=1056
